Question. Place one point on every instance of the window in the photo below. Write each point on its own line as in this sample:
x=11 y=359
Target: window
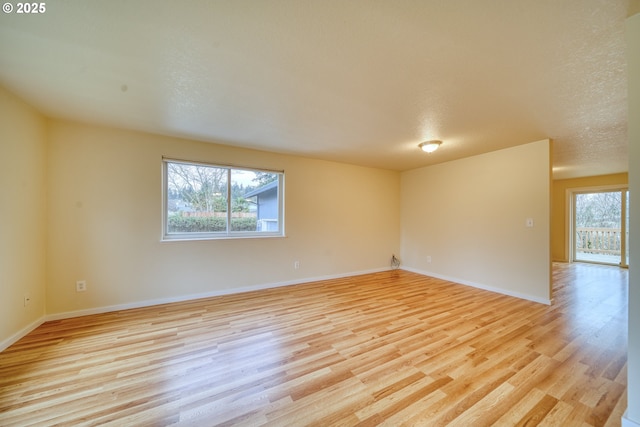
x=203 y=201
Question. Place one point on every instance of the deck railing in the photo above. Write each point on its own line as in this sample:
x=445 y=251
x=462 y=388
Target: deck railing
x=596 y=240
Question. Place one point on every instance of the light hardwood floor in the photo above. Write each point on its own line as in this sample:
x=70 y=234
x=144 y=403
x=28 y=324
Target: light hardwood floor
x=392 y=348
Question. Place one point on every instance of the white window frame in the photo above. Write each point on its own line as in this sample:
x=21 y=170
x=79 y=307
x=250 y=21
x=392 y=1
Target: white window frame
x=228 y=234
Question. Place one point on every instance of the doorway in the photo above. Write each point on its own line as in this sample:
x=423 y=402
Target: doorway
x=600 y=226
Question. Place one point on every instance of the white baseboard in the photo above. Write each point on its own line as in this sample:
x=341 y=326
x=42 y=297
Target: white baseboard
x=21 y=333
x=481 y=286
x=147 y=303
x=626 y=422
x=181 y=298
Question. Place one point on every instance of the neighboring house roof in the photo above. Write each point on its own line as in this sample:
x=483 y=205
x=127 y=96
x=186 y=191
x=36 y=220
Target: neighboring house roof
x=179 y=205
x=263 y=189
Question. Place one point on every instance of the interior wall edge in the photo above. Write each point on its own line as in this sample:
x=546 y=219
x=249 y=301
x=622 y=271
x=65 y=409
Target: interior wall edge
x=482 y=286
x=9 y=341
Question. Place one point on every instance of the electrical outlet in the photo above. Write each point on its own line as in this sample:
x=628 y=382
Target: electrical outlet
x=81 y=285
x=26 y=300
x=296 y=265
x=429 y=258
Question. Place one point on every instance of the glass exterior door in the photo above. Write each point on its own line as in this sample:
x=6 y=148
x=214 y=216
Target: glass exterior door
x=600 y=227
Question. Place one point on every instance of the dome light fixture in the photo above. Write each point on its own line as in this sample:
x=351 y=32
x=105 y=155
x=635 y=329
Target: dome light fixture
x=430 y=146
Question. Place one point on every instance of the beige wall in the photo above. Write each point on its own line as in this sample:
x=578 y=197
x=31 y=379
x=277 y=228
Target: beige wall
x=105 y=222
x=559 y=203
x=22 y=217
x=469 y=216
x=102 y=222
x=633 y=57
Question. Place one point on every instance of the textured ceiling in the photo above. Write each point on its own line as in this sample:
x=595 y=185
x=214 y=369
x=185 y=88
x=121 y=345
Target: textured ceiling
x=358 y=81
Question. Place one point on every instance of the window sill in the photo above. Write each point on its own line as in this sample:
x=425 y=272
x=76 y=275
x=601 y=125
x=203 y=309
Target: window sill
x=169 y=239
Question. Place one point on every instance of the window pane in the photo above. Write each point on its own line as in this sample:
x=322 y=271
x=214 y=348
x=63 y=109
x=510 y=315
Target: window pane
x=598 y=227
x=254 y=201
x=211 y=202
x=196 y=198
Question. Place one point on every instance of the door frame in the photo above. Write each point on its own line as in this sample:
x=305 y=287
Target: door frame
x=570 y=219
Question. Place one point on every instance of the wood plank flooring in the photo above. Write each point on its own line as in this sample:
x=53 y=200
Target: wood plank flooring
x=392 y=348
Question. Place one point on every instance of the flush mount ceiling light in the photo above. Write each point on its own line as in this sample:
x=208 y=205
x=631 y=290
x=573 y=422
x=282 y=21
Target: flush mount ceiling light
x=430 y=146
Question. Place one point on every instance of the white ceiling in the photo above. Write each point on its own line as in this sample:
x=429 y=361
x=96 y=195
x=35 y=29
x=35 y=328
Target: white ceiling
x=358 y=81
